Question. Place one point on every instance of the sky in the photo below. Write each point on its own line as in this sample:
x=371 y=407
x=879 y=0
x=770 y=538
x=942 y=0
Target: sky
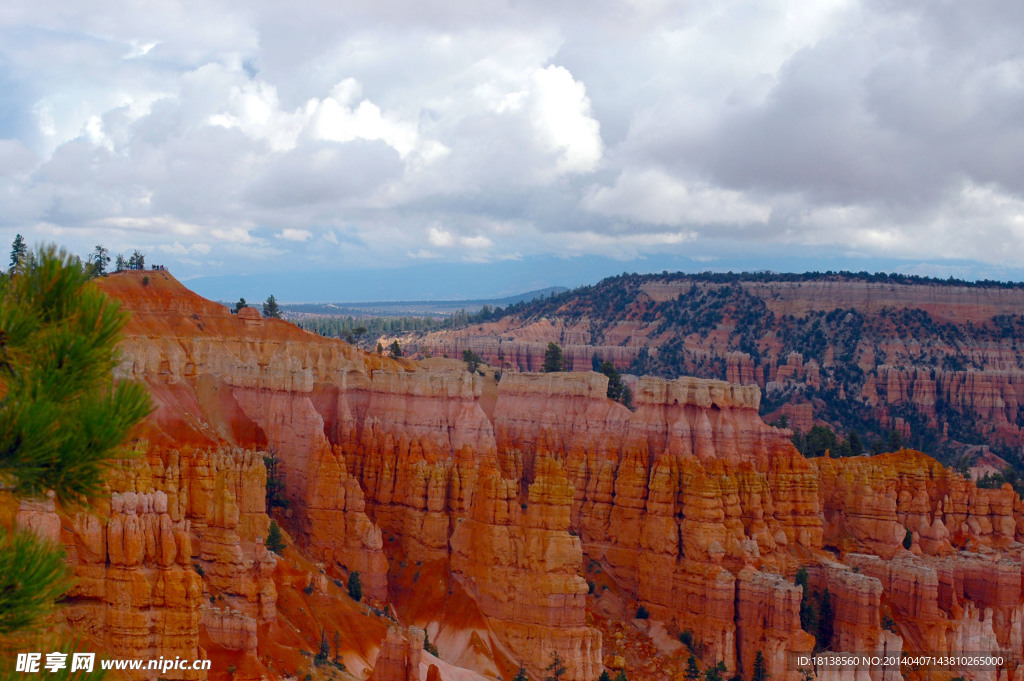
x=335 y=150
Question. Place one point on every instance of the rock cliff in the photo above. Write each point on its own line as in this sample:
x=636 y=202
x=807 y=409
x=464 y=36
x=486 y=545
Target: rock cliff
x=930 y=359
x=505 y=495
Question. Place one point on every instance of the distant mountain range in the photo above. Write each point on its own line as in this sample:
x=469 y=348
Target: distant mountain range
x=401 y=308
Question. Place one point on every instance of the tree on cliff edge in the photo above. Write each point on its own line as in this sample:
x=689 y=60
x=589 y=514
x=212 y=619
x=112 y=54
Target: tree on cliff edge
x=63 y=418
x=271 y=308
x=553 y=358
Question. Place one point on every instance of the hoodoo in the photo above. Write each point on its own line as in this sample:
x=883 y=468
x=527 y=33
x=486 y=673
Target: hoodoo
x=505 y=523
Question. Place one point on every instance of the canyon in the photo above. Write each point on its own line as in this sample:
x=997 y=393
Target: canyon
x=939 y=362
x=506 y=522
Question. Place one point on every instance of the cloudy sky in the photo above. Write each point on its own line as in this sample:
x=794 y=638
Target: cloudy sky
x=518 y=144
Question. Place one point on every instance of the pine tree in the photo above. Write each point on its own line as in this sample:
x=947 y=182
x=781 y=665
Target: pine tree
x=553 y=358
x=18 y=252
x=271 y=308
x=120 y=264
x=692 y=672
x=556 y=669
x=275 y=540
x=760 y=670
x=324 y=654
x=825 y=621
x=137 y=261
x=605 y=676
x=275 y=482
x=62 y=415
x=98 y=261
x=396 y=349
x=240 y=304
x=521 y=674
x=355 y=586
x=471 y=359
x=716 y=672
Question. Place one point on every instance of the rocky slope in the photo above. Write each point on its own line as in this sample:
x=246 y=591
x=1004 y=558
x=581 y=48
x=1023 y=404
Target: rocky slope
x=477 y=512
x=934 y=360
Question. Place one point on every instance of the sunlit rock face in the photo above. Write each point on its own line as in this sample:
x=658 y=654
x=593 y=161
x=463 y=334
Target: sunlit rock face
x=698 y=511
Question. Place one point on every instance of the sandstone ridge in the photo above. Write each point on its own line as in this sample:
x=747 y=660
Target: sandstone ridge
x=690 y=506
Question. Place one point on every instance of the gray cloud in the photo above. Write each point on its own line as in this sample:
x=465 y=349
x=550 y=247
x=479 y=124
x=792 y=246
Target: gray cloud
x=334 y=131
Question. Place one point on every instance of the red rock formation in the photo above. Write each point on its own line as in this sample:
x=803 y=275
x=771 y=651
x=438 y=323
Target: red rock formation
x=692 y=505
x=952 y=359
x=523 y=567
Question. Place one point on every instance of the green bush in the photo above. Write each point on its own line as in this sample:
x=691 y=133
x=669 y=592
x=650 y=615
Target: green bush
x=275 y=540
x=355 y=586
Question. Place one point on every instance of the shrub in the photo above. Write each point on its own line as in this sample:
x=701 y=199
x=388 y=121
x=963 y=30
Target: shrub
x=427 y=645
x=641 y=613
x=275 y=540
x=355 y=586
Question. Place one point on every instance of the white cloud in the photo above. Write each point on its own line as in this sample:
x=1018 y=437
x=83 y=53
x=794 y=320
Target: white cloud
x=177 y=248
x=291 y=234
x=440 y=237
x=528 y=128
x=237 y=235
x=655 y=197
x=562 y=113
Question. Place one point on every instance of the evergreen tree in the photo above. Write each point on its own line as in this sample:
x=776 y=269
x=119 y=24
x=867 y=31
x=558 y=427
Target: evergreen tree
x=240 y=304
x=396 y=349
x=275 y=482
x=760 y=669
x=120 y=264
x=808 y=614
x=715 y=673
x=275 y=540
x=617 y=390
x=692 y=672
x=856 y=444
x=472 y=360
x=62 y=416
x=521 y=674
x=271 y=308
x=18 y=252
x=908 y=540
x=137 y=261
x=556 y=669
x=825 y=621
x=553 y=358
x=605 y=676
x=621 y=676
x=324 y=654
x=98 y=261
x=355 y=586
